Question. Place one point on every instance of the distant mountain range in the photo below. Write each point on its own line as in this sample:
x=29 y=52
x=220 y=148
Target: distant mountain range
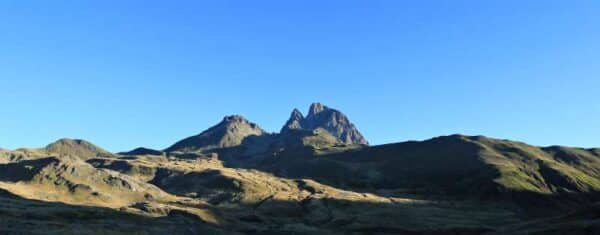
x=317 y=176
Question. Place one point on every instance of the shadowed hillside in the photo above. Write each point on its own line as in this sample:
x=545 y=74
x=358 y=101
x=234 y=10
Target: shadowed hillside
x=22 y=216
x=454 y=166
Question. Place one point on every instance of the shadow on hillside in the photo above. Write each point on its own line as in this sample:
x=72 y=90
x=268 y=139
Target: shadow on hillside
x=429 y=166
x=26 y=216
x=313 y=215
x=24 y=170
x=317 y=215
x=320 y=216
x=446 y=169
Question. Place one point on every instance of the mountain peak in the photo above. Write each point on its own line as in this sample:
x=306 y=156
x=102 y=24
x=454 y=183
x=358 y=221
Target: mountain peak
x=316 y=108
x=331 y=120
x=235 y=118
x=230 y=132
x=294 y=122
x=76 y=147
x=71 y=143
x=296 y=113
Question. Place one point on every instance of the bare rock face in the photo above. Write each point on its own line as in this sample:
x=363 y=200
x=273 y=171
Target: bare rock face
x=295 y=121
x=228 y=133
x=331 y=120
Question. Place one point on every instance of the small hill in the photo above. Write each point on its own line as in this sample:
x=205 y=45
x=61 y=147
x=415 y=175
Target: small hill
x=296 y=140
x=331 y=120
x=318 y=139
x=76 y=147
x=230 y=132
x=142 y=151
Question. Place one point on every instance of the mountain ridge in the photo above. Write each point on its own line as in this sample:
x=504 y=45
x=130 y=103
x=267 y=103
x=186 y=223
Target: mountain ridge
x=233 y=130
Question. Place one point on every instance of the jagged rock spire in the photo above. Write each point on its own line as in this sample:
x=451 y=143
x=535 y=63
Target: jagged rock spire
x=316 y=108
x=294 y=122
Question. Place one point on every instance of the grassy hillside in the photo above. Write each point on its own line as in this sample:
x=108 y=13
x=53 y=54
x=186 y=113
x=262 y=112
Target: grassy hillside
x=452 y=166
x=70 y=180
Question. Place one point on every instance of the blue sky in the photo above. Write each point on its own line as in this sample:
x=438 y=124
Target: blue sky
x=124 y=74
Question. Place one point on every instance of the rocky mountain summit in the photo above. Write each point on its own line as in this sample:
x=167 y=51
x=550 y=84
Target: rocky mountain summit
x=78 y=148
x=331 y=120
x=231 y=131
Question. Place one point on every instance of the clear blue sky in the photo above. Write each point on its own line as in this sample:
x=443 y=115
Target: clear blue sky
x=124 y=74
